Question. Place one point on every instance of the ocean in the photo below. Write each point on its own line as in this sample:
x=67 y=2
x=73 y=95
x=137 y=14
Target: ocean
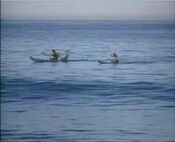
x=84 y=101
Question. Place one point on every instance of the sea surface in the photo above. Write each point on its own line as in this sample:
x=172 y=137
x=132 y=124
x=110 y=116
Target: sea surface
x=84 y=101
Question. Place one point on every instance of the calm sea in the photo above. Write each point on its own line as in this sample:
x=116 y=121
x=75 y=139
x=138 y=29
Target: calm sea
x=85 y=101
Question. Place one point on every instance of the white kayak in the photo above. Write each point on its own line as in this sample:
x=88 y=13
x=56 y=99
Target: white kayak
x=42 y=60
x=65 y=60
x=107 y=62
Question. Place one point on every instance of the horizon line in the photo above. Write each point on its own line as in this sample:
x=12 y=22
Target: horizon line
x=87 y=19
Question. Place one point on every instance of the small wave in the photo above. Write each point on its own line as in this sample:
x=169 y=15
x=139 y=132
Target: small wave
x=78 y=130
x=20 y=89
x=52 y=85
x=168 y=106
x=127 y=132
x=17 y=111
x=19 y=136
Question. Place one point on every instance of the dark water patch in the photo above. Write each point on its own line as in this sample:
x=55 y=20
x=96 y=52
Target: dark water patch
x=140 y=109
x=78 y=130
x=84 y=124
x=10 y=100
x=141 y=83
x=40 y=97
x=168 y=106
x=18 y=111
x=168 y=98
x=26 y=136
x=127 y=132
x=35 y=137
x=109 y=105
x=129 y=102
x=169 y=89
x=60 y=105
x=11 y=130
x=9 y=133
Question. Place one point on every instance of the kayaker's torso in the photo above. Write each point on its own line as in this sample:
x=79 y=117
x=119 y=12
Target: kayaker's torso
x=55 y=55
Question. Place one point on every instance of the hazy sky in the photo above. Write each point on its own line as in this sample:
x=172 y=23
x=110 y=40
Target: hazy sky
x=89 y=9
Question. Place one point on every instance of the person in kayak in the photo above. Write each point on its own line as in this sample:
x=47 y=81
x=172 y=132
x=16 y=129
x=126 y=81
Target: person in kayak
x=114 y=58
x=55 y=55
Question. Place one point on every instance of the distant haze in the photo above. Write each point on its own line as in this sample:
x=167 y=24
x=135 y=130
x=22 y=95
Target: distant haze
x=88 y=10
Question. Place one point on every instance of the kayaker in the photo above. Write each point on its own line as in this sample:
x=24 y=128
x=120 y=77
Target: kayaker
x=114 y=58
x=55 y=55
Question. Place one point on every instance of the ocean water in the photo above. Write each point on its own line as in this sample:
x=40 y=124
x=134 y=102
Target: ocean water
x=84 y=101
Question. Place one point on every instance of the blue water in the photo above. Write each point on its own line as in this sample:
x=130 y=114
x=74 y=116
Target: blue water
x=84 y=101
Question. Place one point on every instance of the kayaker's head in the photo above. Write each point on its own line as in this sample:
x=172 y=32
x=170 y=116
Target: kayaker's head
x=53 y=50
x=114 y=54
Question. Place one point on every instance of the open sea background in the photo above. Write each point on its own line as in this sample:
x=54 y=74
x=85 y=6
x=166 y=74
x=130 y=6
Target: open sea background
x=84 y=101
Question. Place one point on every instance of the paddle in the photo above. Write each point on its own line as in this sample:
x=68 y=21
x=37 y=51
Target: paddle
x=67 y=51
